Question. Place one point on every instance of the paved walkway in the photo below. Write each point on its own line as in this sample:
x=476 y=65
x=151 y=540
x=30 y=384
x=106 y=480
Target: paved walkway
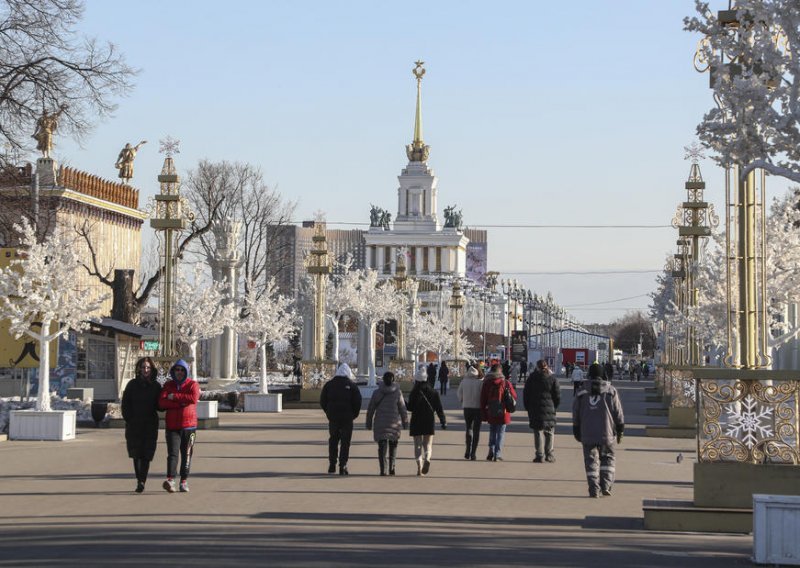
x=260 y=496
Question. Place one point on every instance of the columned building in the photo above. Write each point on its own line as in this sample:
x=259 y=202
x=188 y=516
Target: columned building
x=429 y=247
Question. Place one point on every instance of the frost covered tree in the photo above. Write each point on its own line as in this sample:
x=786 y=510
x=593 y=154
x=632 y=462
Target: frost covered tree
x=268 y=318
x=41 y=291
x=202 y=311
x=376 y=301
x=757 y=85
x=341 y=295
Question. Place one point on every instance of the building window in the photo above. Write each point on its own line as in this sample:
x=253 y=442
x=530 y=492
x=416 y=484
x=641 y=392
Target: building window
x=387 y=260
x=438 y=259
x=425 y=253
x=412 y=260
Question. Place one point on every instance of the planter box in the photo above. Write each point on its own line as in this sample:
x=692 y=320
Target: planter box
x=36 y=425
x=257 y=402
x=776 y=529
x=207 y=409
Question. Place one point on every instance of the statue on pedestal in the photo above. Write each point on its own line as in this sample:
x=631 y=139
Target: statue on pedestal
x=45 y=127
x=452 y=218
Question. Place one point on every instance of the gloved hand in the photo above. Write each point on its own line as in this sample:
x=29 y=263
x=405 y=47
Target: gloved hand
x=444 y=426
x=619 y=437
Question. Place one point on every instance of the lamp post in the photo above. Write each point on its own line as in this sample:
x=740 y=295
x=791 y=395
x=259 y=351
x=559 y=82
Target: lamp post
x=318 y=265
x=402 y=366
x=457 y=304
x=170 y=216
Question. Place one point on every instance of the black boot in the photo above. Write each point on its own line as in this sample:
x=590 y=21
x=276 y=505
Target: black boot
x=382 y=456
x=392 y=456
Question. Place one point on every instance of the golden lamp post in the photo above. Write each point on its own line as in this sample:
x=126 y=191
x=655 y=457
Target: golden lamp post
x=170 y=216
x=318 y=264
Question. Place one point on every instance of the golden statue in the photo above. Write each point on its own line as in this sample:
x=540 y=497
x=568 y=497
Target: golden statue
x=125 y=160
x=45 y=127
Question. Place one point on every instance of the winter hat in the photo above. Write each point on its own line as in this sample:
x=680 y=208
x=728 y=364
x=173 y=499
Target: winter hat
x=344 y=371
x=472 y=372
x=422 y=375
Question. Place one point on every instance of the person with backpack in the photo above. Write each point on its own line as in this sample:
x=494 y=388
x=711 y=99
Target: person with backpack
x=498 y=400
x=541 y=396
x=598 y=423
x=424 y=403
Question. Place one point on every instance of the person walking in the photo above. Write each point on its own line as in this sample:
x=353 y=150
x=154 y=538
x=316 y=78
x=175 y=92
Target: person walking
x=424 y=404
x=469 y=395
x=444 y=377
x=140 y=412
x=432 y=374
x=541 y=396
x=386 y=417
x=609 y=371
x=494 y=410
x=598 y=423
x=340 y=399
x=179 y=398
x=577 y=379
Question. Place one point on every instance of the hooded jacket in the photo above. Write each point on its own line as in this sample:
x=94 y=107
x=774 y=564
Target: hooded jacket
x=182 y=408
x=541 y=396
x=424 y=404
x=469 y=390
x=340 y=398
x=386 y=414
x=493 y=385
x=597 y=418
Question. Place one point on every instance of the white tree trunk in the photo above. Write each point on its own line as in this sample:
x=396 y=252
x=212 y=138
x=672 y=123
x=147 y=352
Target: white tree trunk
x=43 y=400
x=193 y=355
x=336 y=341
x=371 y=354
x=263 y=385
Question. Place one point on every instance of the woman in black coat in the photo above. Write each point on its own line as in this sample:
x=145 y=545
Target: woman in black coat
x=542 y=395
x=424 y=403
x=139 y=410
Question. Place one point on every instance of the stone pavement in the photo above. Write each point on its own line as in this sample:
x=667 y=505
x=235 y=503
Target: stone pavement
x=260 y=496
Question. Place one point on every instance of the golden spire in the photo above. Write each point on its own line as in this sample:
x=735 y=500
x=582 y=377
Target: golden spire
x=417 y=151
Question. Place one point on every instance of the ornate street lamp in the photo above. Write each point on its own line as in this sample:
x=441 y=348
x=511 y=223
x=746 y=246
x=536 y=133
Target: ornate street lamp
x=170 y=217
x=403 y=366
x=318 y=265
x=456 y=305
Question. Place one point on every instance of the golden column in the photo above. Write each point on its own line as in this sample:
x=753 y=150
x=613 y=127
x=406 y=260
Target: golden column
x=402 y=366
x=170 y=216
x=318 y=264
x=457 y=304
x=693 y=219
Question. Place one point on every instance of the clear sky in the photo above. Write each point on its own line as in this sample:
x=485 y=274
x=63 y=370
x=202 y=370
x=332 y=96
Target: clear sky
x=536 y=112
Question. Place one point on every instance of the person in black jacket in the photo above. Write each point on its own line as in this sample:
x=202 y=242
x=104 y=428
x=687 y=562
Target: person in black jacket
x=140 y=412
x=341 y=401
x=444 y=377
x=432 y=373
x=424 y=403
x=542 y=395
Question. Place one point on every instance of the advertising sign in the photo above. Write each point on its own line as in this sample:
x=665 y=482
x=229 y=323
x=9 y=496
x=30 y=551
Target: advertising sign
x=519 y=348
x=22 y=353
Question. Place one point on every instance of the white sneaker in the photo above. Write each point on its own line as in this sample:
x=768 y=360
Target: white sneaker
x=169 y=486
x=184 y=486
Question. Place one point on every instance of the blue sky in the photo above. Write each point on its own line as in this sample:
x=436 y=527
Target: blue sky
x=536 y=113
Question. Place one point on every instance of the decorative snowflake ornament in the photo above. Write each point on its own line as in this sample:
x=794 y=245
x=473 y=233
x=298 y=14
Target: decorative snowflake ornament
x=316 y=378
x=169 y=146
x=749 y=423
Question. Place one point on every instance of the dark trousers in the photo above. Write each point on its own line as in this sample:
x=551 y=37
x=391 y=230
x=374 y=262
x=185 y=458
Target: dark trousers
x=141 y=466
x=472 y=420
x=341 y=431
x=443 y=386
x=391 y=445
x=179 y=443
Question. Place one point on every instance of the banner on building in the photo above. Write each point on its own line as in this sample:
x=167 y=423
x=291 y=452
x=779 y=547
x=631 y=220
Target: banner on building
x=476 y=261
x=22 y=353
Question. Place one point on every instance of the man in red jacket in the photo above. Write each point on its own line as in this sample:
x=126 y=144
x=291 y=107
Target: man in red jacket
x=179 y=398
